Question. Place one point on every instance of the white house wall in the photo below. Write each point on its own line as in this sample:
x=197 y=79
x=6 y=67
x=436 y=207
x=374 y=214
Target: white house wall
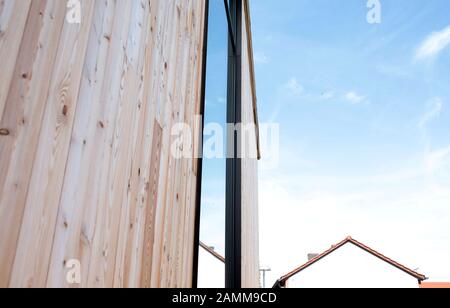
x=352 y=267
x=211 y=271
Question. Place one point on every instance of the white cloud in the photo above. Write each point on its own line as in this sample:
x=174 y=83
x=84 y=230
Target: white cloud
x=294 y=87
x=354 y=98
x=433 y=44
x=434 y=110
x=261 y=58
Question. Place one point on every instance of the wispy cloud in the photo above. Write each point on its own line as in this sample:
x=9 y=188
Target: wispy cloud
x=433 y=44
x=293 y=87
x=354 y=98
x=437 y=159
x=261 y=58
x=434 y=110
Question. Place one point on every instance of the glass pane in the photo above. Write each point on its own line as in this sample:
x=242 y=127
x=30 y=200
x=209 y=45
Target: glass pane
x=212 y=226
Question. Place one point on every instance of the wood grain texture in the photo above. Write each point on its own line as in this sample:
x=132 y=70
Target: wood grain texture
x=41 y=208
x=86 y=117
x=250 y=218
x=13 y=17
x=23 y=117
x=152 y=189
x=86 y=171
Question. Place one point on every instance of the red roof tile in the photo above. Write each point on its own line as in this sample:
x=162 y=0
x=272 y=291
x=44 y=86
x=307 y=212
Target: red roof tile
x=435 y=285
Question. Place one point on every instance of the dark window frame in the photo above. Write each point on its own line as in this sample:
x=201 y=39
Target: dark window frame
x=198 y=196
x=233 y=220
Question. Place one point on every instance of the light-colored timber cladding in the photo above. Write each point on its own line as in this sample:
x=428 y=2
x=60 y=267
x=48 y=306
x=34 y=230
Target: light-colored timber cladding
x=86 y=112
x=250 y=226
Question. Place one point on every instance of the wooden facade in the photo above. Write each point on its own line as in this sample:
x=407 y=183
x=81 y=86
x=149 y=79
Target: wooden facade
x=86 y=112
x=249 y=190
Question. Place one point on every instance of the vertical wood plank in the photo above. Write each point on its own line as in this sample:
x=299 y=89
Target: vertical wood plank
x=78 y=225
x=22 y=117
x=33 y=253
x=250 y=239
x=13 y=17
x=131 y=249
x=86 y=170
x=164 y=105
x=151 y=207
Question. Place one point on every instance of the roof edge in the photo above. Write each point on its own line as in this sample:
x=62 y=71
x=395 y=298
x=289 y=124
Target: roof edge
x=420 y=277
x=212 y=252
x=251 y=61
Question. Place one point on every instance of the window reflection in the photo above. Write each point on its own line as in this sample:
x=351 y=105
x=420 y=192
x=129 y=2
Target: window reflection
x=212 y=225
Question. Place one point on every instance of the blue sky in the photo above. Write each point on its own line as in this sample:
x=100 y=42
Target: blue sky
x=213 y=196
x=365 y=129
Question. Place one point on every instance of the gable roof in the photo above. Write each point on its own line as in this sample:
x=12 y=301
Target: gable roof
x=212 y=252
x=282 y=281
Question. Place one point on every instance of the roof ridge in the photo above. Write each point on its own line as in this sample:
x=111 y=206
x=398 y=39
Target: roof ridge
x=364 y=247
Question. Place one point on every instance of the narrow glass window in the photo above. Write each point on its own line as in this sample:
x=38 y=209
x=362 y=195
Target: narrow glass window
x=212 y=226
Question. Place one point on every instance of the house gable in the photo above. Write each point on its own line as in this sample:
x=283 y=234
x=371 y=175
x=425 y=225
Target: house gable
x=353 y=264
